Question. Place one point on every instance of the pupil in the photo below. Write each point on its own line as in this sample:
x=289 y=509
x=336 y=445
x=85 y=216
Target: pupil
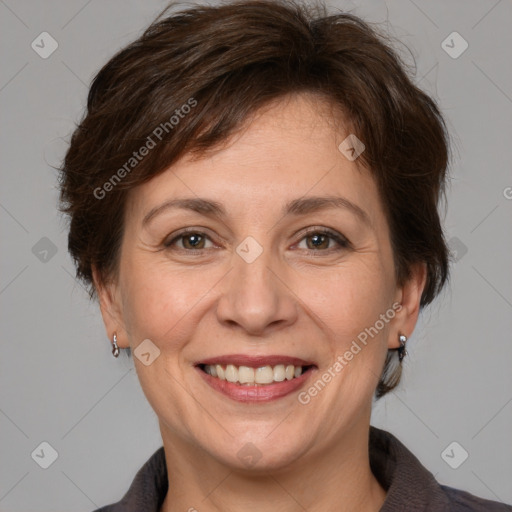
x=191 y=239
x=317 y=240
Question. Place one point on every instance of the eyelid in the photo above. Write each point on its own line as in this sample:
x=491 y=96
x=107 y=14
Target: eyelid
x=340 y=239
x=172 y=238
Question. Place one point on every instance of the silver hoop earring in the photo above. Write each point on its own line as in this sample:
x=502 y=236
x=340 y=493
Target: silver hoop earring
x=115 y=348
x=401 y=349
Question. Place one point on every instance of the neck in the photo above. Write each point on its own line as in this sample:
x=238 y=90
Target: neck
x=337 y=479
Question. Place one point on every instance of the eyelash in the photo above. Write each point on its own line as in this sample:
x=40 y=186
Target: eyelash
x=342 y=242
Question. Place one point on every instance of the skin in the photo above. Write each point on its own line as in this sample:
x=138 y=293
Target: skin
x=295 y=299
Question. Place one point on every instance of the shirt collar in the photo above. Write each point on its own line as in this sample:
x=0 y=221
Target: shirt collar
x=399 y=472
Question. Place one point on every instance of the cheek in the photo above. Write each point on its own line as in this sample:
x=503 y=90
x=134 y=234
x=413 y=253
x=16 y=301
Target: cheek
x=155 y=307
x=157 y=300
x=356 y=308
x=350 y=299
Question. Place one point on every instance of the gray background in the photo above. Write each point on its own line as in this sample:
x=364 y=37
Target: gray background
x=58 y=380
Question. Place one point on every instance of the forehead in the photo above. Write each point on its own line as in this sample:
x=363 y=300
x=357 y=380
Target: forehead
x=287 y=150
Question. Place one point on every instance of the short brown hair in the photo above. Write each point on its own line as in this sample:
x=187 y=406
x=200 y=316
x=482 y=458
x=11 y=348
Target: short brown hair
x=224 y=63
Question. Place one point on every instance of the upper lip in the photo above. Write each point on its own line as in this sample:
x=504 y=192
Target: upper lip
x=255 y=361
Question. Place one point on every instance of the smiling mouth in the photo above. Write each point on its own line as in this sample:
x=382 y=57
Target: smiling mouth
x=248 y=376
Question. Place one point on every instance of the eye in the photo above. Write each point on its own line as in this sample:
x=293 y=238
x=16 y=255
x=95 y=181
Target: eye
x=189 y=240
x=321 y=240
x=317 y=240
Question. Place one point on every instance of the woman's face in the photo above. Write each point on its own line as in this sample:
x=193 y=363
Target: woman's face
x=261 y=280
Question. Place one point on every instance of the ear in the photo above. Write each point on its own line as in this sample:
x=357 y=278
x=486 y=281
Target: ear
x=409 y=296
x=111 y=309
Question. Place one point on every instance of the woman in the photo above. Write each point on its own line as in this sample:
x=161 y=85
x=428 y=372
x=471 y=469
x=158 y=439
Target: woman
x=253 y=199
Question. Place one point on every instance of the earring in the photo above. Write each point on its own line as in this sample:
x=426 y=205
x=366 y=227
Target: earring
x=115 y=349
x=401 y=349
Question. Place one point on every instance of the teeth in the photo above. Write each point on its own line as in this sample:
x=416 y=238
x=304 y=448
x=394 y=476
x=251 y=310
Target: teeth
x=264 y=375
x=279 y=374
x=231 y=373
x=248 y=375
x=245 y=375
x=220 y=371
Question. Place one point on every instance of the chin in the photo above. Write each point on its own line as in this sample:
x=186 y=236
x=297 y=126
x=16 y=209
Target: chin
x=263 y=453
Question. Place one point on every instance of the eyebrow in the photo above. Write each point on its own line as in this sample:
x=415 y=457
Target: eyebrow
x=296 y=207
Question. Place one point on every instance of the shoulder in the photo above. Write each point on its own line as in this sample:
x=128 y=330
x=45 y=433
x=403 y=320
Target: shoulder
x=462 y=501
x=410 y=486
x=147 y=490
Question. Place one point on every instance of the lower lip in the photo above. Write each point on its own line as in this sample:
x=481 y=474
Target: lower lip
x=256 y=393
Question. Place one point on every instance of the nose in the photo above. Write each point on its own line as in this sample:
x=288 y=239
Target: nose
x=256 y=296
